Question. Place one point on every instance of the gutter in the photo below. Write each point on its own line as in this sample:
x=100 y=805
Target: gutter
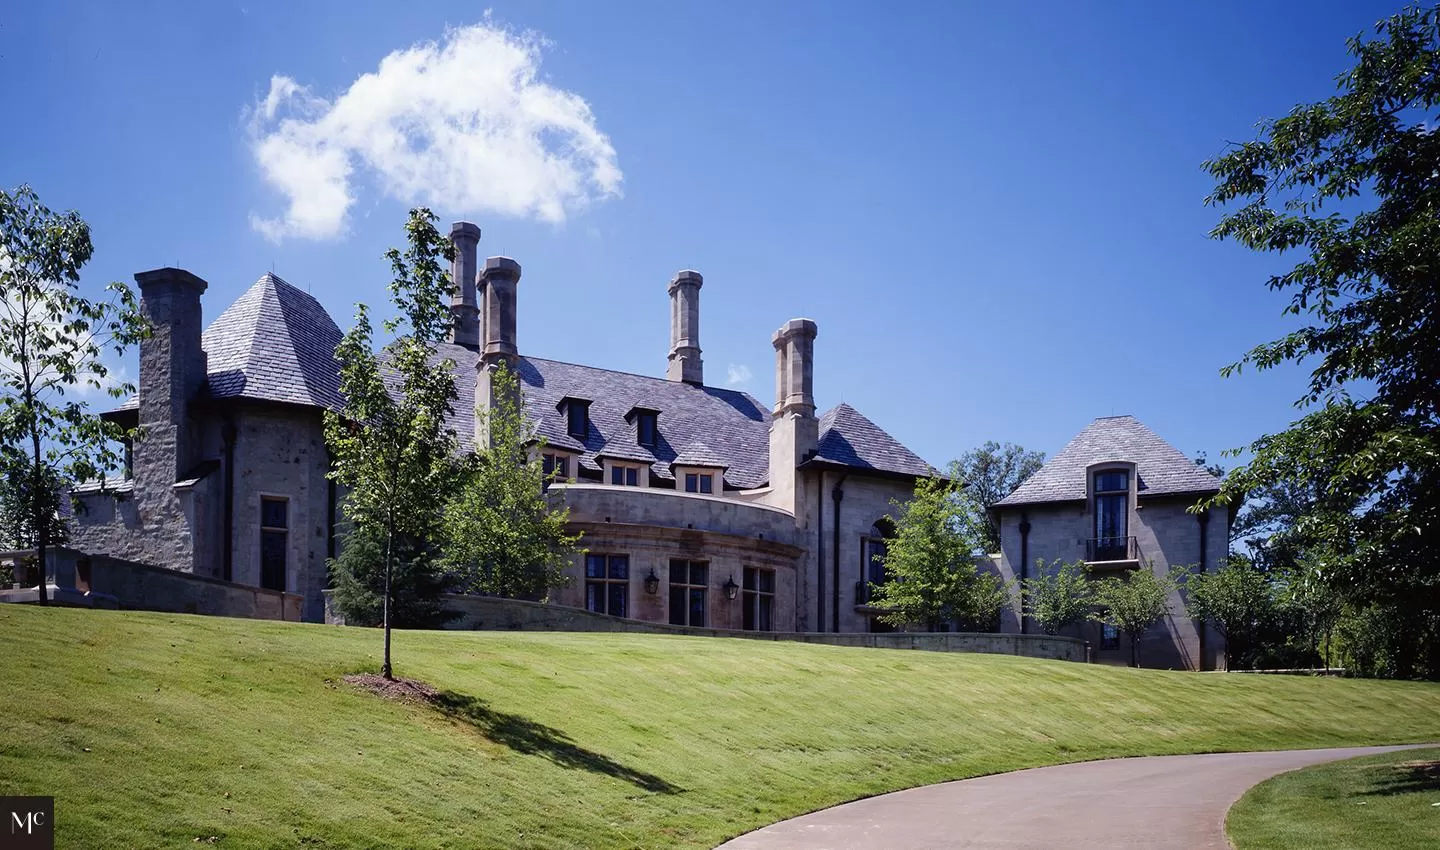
x=837 y=494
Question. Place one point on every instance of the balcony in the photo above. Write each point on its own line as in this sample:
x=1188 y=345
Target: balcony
x=1118 y=552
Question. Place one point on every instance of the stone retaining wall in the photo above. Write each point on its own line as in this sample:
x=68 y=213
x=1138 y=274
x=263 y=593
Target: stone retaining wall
x=490 y=614
x=99 y=581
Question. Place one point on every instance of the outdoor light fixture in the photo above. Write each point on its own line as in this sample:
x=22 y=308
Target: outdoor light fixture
x=652 y=583
x=731 y=588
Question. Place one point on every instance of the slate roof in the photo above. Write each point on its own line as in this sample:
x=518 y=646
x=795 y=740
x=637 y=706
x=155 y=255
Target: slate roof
x=731 y=421
x=699 y=454
x=1160 y=468
x=848 y=439
x=275 y=343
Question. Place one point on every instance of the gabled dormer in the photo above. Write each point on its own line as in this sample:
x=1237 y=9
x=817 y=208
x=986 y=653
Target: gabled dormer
x=646 y=421
x=577 y=416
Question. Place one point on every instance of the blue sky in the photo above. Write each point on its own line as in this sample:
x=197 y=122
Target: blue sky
x=993 y=214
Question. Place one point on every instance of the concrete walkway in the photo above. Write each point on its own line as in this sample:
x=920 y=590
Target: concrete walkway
x=1155 y=802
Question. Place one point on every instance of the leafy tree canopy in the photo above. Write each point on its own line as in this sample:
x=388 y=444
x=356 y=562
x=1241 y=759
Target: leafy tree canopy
x=930 y=565
x=1135 y=602
x=1349 y=185
x=51 y=341
x=390 y=446
x=992 y=472
x=504 y=535
x=1058 y=596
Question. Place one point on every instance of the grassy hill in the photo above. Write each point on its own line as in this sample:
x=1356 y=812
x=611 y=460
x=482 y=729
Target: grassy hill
x=156 y=730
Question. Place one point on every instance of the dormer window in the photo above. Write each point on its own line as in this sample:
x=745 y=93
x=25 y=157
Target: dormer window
x=646 y=422
x=577 y=416
x=699 y=482
x=625 y=476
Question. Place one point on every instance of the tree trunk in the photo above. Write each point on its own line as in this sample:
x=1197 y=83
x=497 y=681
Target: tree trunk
x=385 y=669
x=1134 y=650
x=37 y=507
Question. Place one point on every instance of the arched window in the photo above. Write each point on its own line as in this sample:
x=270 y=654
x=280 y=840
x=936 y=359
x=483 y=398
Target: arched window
x=873 y=548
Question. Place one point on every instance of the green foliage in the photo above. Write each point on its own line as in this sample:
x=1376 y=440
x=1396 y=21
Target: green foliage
x=1058 y=596
x=19 y=501
x=417 y=580
x=51 y=341
x=504 y=535
x=1239 y=600
x=990 y=473
x=390 y=446
x=1381 y=640
x=930 y=563
x=1135 y=603
x=1348 y=184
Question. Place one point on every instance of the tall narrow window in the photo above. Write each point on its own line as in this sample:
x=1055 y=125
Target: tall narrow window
x=758 y=597
x=1112 y=514
x=689 y=585
x=274 y=540
x=1109 y=636
x=646 y=433
x=577 y=418
x=607 y=584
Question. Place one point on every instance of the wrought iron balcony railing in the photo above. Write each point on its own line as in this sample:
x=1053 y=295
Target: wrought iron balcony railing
x=1111 y=549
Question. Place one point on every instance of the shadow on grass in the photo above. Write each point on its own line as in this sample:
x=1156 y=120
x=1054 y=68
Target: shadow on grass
x=1412 y=777
x=524 y=735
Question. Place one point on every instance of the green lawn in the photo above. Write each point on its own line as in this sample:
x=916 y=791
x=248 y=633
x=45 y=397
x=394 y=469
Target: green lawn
x=155 y=730
x=1385 y=802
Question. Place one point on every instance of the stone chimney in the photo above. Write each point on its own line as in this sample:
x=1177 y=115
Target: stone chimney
x=794 y=430
x=499 y=280
x=685 y=364
x=464 y=307
x=172 y=371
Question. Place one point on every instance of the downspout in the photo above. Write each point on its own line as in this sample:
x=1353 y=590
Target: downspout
x=837 y=494
x=227 y=556
x=1024 y=568
x=820 y=554
x=1204 y=519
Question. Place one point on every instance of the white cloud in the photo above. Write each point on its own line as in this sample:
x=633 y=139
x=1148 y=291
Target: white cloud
x=463 y=125
x=737 y=375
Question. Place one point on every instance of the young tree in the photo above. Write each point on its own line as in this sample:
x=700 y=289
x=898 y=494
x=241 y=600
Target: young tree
x=1239 y=600
x=990 y=473
x=1134 y=603
x=930 y=563
x=51 y=340
x=1348 y=184
x=1058 y=596
x=504 y=535
x=390 y=446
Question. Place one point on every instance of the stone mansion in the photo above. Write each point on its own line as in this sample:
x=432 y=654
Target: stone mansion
x=699 y=505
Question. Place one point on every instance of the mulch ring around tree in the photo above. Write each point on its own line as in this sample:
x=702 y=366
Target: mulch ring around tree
x=405 y=690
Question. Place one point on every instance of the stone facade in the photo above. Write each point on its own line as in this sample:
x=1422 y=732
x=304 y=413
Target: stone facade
x=230 y=473
x=1159 y=533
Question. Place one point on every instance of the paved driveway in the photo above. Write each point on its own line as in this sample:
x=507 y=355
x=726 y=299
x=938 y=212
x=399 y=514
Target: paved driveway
x=1155 y=802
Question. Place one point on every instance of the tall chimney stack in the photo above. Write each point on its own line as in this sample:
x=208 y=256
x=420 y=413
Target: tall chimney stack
x=499 y=280
x=794 y=430
x=465 y=307
x=685 y=364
